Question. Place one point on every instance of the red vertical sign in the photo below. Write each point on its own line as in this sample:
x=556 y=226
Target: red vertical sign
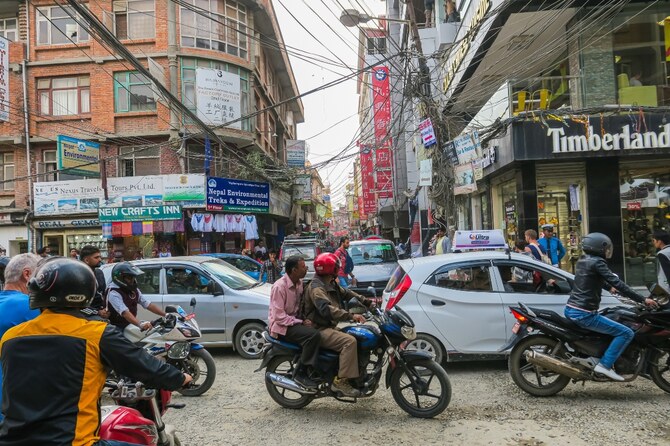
x=384 y=170
x=381 y=104
x=368 y=180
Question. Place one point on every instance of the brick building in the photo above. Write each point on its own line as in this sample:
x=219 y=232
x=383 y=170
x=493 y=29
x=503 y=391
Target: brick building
x=77 y=87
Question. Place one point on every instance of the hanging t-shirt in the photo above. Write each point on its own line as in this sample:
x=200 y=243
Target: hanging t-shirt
x=197 y=222
x=220 y=223
x=230 y=223
x=250 y=227
x=207 y=222
x=239 y=223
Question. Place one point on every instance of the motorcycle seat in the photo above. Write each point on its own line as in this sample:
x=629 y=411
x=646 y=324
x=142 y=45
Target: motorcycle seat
x=561 y=320
x=296 y=347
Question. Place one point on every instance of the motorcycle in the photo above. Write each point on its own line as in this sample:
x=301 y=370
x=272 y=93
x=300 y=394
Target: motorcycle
x=137 y=416
x=550 y=350
x=419 y=385
x=171 y=338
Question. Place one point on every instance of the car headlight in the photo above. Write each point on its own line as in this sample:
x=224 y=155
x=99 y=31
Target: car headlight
x=408 y=332
x=179 y=350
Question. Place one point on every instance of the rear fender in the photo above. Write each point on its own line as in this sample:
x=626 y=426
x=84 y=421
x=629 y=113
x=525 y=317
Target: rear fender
x=515 y=339
x=271 y=353
x=407 y=356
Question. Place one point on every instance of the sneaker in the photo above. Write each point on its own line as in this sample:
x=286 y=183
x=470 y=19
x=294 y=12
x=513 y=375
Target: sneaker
x=305 y=381
x=342 y=385
x=611 y=374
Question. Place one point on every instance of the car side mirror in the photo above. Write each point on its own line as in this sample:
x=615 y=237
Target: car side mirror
x=214 y=288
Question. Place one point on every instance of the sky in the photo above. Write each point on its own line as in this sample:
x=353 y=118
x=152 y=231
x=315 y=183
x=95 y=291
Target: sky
x=325 y=108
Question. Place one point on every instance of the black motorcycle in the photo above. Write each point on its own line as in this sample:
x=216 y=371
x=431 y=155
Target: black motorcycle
x=419 y=385
x=549 y=350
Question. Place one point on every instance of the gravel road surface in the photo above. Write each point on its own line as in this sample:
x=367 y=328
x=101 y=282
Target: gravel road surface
x=486 y=409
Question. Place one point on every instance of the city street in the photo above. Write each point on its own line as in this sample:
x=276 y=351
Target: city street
x=486 y=408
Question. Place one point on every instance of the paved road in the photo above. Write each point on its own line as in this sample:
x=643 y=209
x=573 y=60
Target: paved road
x=486 y=409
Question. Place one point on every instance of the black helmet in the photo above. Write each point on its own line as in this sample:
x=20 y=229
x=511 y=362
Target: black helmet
x=125 y=269
x=598 y=244
x=63 y=283
x=4 y=261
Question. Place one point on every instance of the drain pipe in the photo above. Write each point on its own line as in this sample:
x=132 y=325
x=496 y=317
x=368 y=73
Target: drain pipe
x=24 y=69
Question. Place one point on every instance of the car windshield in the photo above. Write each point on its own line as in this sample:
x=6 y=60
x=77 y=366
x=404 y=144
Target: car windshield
x=231 y=276
x=307 y=252
x=365 y=254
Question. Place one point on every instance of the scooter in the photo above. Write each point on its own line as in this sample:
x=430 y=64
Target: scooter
x=172 y=338
x=137 y=416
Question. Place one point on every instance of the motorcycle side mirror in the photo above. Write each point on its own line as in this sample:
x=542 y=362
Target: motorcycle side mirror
x=170 y=309
x=193 y=302
x=214 y=288
x=354 y=306
x=656 y=290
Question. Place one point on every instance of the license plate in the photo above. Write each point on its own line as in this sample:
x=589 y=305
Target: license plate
x=516 y=328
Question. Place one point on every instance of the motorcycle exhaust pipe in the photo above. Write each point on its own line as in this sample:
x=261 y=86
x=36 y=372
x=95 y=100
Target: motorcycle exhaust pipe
x=554 y=364
x=286 y=383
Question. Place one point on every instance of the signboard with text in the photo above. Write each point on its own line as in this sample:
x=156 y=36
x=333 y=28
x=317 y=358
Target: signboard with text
x=226 y=194
x=381 y=103
x=384 y=171
x=467 y=147
x=427 y=133
x=78 y=156
x=67 y=197
x=295 y=153
x=368 y=180
x=145 y=213
x=218 y=97
x=4 y=79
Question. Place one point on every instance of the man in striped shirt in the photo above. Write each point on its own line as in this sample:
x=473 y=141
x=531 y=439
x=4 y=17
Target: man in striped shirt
x=271 y=268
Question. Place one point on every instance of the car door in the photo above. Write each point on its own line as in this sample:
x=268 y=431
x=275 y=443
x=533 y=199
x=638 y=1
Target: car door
x=184 y=282
x=460 y=300
x=531 y=283
x=149 y=284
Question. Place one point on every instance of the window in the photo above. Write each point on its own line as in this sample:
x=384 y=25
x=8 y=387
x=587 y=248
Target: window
x=188 y=67
x=149 y=282
x=7 y=171
x=8 y=29
x=132 y=92
x=244 y=264
x=525 y=278
x=376 y=45
x=185 y=281
x=368 y=253
x=49 y=165
x=195 y=158
x=62 y=96
x=55 y=26
x=224 y=30
x=135 y=161
x=134 y=19
x=463 y=278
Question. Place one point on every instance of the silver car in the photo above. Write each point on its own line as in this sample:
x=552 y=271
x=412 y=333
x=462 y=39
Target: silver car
x=231 y=307
x=375 y=261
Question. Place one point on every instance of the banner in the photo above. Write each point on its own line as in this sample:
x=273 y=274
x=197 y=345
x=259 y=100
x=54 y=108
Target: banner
x=149 y=213
x=384 y=171
x=381 y=104
x=67 y=197
x=302 y=191
x=295 y=153
x=225 y=194
x=368 y=180
x=4 y=79
x=78 y=156
x=218 y=97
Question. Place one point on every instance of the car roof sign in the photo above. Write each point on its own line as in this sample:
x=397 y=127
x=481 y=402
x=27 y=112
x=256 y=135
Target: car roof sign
x=479 y=240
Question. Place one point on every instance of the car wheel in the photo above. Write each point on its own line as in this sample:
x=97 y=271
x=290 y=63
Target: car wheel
x=427 y=343
x=249 y=340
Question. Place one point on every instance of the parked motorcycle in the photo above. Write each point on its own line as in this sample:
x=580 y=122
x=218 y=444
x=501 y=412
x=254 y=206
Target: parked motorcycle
x=550 y=350
x=419 y=385
x=172 y=338
x=137 y=416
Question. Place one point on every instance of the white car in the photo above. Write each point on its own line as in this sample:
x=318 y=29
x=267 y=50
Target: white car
x=460 y=302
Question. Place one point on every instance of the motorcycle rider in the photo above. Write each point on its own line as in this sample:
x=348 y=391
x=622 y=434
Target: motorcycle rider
x=661 y=240
x=591 y=274
x=55 y=365
x=123 y=296
x=322 y=305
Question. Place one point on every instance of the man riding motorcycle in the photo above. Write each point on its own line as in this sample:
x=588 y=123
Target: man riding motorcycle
x=322 y=304
x=55 y=365
x=591 y=275
x=123 y=296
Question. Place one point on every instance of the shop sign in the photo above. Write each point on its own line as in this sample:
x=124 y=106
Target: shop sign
x=381 y=103
x=427 y=133
x=467 y=147
x=368 y=180
x=78 y=156
x=280 y=203
x=426 y=172
x=218 y=97
x=67 y=197
x=489 y=157
x=626 y=139
x=449 y=150
x=57 y=224
x=188 y=190
x=134 y=191
x=384 y=171
x=302 y=190
x=478 y=169
x=464 y=177
x=4 y=79
x=140 y=213
x=634 y=206
x=295 y=153
x=479 y=240
x=226 y=194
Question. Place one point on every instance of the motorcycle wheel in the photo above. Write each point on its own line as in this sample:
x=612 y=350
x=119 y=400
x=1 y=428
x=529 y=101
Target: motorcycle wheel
x=433 y=388
x=202 y=378
x=533 y=379
x=659 y=369
x=283 y=365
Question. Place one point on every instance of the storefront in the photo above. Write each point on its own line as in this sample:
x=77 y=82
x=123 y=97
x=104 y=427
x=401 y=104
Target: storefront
x=610 y=175
x=64 y=234
x=13 y=234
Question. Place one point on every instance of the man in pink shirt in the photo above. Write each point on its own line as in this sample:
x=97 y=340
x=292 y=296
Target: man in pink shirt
x=285 y=323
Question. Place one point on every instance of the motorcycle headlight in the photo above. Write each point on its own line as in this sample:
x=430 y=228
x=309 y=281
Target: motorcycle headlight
x=408 y=332
x=179 y=350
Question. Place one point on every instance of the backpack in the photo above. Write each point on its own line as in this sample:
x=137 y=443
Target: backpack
x=349 y=265
x=544 y=258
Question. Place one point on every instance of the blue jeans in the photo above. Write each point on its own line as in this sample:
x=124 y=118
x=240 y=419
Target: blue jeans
x=113 y=443
x=343 y=282
x=600 y=324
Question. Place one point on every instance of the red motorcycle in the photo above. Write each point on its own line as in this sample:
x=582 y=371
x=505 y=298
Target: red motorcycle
x=137 y=415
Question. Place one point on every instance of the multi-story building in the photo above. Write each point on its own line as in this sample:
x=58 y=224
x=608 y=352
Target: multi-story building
x=71 y=83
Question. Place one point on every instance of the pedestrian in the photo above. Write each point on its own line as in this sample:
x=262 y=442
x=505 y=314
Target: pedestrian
x=552 y=245
x=74 y=254
x=532 y=245
x=164 y=252
x=442 y=243
x=44 y=251
x=270 y=268
x=91 y=256
x=261 y=249
x=14 y=307
x=661 y=240
x=346 y=269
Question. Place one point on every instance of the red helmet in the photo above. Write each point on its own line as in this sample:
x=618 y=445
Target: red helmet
x=326 y=264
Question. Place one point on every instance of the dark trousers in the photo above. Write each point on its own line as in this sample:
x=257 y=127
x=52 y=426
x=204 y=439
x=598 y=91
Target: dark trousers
x=309 y=338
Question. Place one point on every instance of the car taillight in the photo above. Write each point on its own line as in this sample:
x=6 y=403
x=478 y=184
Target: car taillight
x=518 y=316
x=399 y=291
